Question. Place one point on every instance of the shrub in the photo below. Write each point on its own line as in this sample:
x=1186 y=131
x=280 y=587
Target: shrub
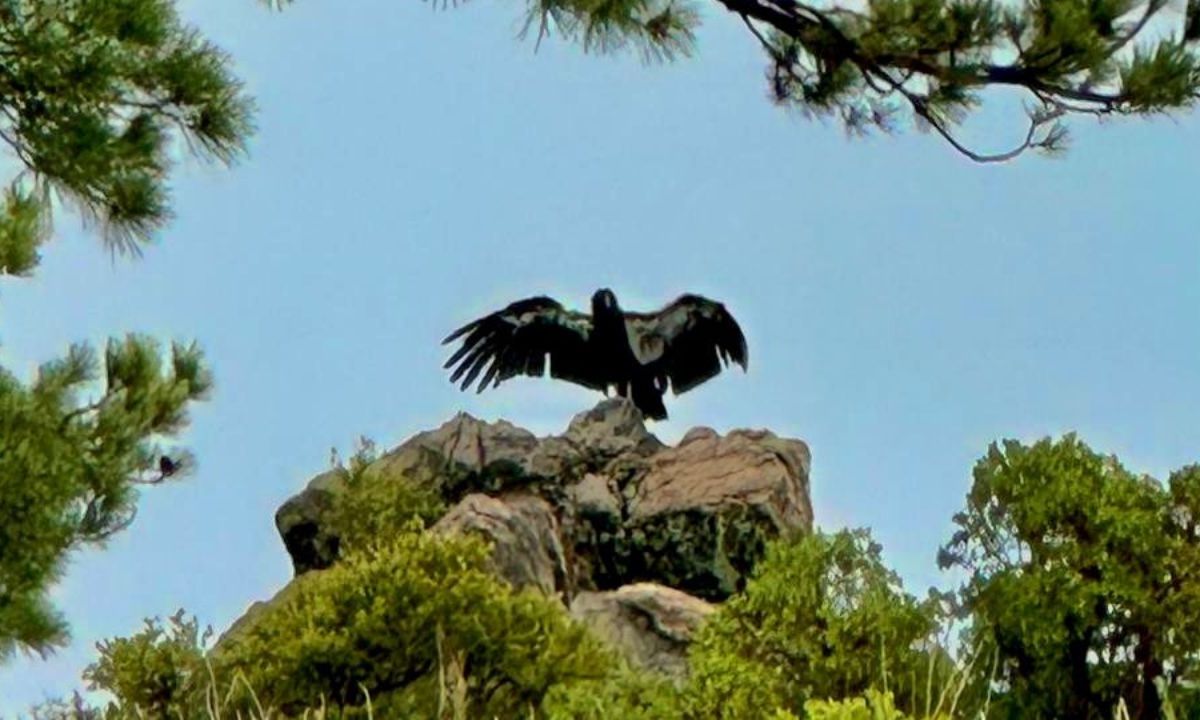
x=821 y=618
x=375 y=505
x=418 y=622
x=627 y=694
x=873 y=705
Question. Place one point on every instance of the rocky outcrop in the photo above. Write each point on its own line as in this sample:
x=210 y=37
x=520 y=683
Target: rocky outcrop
x=474 y=444
x=650 y=624
x=706 y=507
x=303 y=526
x=524 y=533
x=636 y=537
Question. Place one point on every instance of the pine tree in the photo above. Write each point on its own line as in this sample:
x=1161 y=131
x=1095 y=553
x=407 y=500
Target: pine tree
x=876 y=64
x=94 y=94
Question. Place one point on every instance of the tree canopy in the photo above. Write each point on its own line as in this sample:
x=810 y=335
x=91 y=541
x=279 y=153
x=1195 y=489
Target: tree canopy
x=1084 y=576
x=93 y=96
x=879 y=64
x=69 y=468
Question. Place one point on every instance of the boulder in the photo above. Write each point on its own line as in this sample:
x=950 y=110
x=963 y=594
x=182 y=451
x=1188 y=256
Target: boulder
x=475 y=445
x=613 y=428
x=652 y=625
x=526 y=547
x=462 y=456
x=747 y=467
x=596 y=498
x=612 y=432
x=703 y=511
x=303 y=525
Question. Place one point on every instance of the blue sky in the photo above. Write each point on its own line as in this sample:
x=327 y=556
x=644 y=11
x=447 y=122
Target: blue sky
x=414 y=169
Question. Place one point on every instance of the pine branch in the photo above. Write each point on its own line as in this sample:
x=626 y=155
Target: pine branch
x=823 y=35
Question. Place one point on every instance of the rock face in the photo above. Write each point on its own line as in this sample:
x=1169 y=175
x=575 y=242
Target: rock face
x=706 y=507
x=637 y=538
x=301 y=523
x=650 y=624
x=524 y=533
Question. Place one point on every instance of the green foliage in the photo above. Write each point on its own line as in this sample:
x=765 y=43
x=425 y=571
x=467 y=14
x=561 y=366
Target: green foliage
x=160 y=671
x=1084 y=576
x=874 y=705
x=933 y=58
x=821 y=618
x=867 y=64
x=70 y=468
x=93 y=91
x=74 y=709
x=626 y=694
x=419 y=623
x=23 y=227
x=164 y=672
x=377 y=504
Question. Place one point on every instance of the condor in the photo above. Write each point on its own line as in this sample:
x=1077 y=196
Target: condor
x=639 y=355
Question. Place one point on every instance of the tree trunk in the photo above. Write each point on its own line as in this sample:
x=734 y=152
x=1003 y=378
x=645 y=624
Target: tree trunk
x=1149 y=705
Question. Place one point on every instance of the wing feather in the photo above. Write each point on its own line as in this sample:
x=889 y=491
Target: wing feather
x=687 y=342
x=518 y=340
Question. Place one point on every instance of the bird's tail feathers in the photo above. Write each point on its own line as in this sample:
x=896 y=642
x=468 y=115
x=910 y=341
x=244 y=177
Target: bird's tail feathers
x=649 y=400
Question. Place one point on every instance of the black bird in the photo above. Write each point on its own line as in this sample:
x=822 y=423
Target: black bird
x=637 y=354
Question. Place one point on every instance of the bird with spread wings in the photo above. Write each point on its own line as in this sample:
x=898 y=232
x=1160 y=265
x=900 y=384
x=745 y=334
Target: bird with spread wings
x=639 y=355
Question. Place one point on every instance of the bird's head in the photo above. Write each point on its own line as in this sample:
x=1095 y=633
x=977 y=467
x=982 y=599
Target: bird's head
x=604 y=301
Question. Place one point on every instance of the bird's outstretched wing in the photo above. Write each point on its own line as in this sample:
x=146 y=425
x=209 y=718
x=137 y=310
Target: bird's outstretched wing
x=518 y=339
x=687 y=342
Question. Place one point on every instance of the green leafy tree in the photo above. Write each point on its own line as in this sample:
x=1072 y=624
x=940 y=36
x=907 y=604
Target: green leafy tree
x=1085 y=577
x=876 y=64
x=421 y=625
x=93 y=94
x=821 y=618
